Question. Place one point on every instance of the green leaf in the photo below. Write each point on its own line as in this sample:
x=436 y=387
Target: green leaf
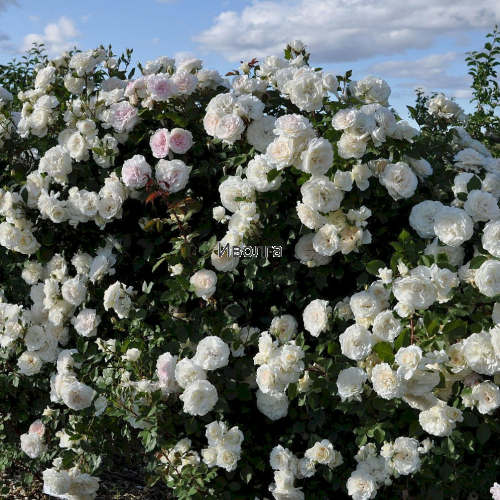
x=477 y=262
x=384 y=351
x=474 y=184
x=373 y=266
x=455 y=329
x=234 y=311
x=402 y=341
x=483 y=433
x=404 y=237
x=272 y=174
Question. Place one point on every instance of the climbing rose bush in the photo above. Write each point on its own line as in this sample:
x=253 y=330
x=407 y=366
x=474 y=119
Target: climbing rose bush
x=345 y=342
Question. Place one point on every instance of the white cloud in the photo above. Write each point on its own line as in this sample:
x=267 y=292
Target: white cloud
x=85 y=18
x=343 y=30
x=57 y=37
x=431 y=73
x=34 y=18
x=186 y=54
x=154 y=40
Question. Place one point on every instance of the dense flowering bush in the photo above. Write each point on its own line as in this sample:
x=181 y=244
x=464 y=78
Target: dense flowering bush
x=346 y=341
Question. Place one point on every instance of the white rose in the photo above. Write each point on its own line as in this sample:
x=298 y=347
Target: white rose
x=281 y=152
x=422 y=217
x=418 y=292
x=482 y=206
x=256 y=174
x=274 y=406
x=77 y=395
x=361 y=486
x=199 y=397
x=315 y=317
x=32 y=445
x=399 y=180
x=453 y=226
x=74 y=291
x=326 y=240
x=350 y=384
x=480 y=353
x=86 y=322
x=365 y=307
x=491 y=238
x=209 y=456
x=343 y=180
x=235 y=187
x=165 y=370
x=284 y=327
x=436 y=422
x=280 y=458
x=386 y=327
x=487 y=278
x=318 y=157
x=356 y=342
x=487 y=397
x=386 y=382
x=186 y=372
x=172 y=175
x=371 y=89
x=405 y=458
x=204 y=283
x=212 y=353
x=322 y=452
x=56 y=483
x=351 y=145
x=321 y=194
x=29 y=363
x=260 y=133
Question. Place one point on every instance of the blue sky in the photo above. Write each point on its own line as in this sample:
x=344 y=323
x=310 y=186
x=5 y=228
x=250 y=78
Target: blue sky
x=411 y=43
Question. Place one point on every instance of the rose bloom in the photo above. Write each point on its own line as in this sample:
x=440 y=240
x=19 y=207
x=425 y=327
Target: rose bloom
x=322 y=452
x=361 y=486
x=204 y=283
x=123 y=116
x=211 y=353
x=187 y=371
x=356 y=342
x=180 y=140
x=172 y=175
x=274 y=406
x=159 y=143
x=161 y=87
x=136 y=172
x=77 y=395
x=199 y=397
x=315 y=317
x=32 y=445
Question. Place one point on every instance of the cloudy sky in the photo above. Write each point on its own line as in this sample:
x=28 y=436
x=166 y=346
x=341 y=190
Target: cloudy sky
x=409 y=43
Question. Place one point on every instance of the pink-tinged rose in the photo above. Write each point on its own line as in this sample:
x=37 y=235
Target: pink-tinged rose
x=159 y=143
x=172 y=175
x=161 y=87
x=210 y=123
x=122 y=116
x=229 y=128
x=37 y=427
x=186 y=82
x=180 y=140
x=135 y=172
